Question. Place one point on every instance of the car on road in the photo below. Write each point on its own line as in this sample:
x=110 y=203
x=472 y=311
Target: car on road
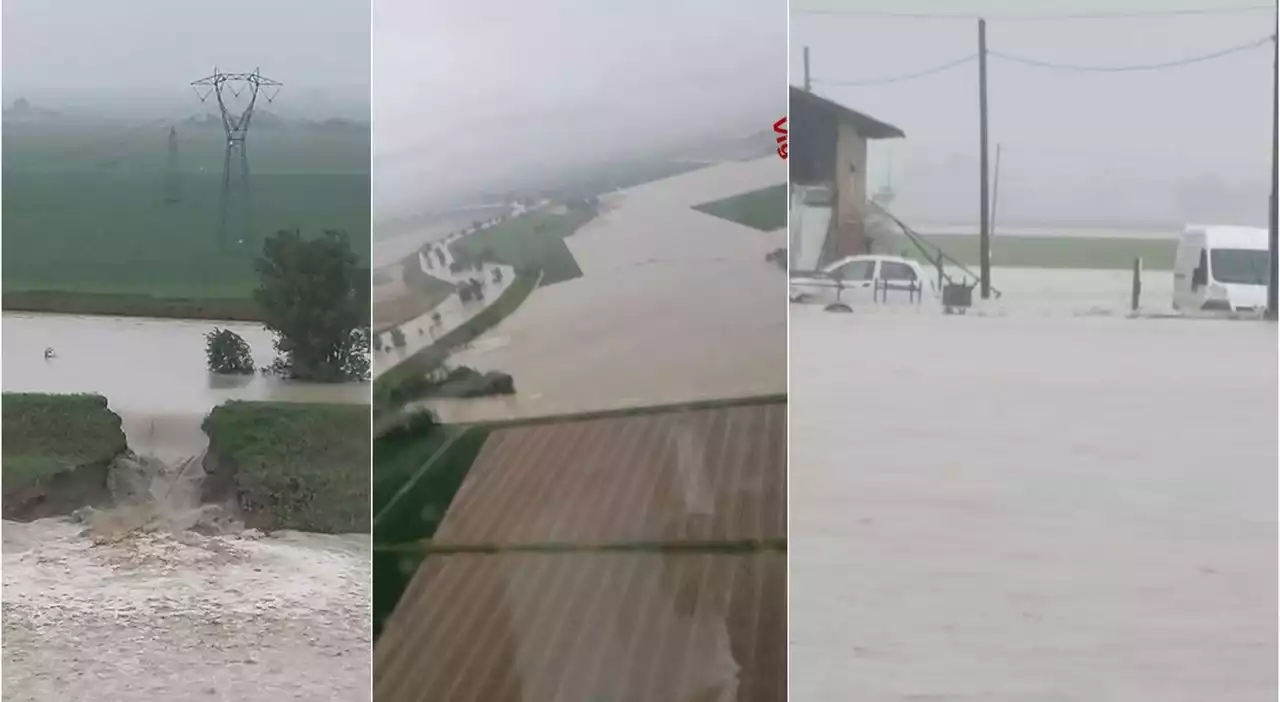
x=864 y=280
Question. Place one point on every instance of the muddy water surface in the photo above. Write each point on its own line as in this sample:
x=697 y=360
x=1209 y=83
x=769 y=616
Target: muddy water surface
x=151 y=371
x=1032 y=507
x=674 y=305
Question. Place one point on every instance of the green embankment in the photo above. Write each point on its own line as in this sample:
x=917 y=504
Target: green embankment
x=764 y=209
x=57 y=452
x=87 y=228
x=292 y=465
x=1055 y=252
x=531 y=242
x=415 y=477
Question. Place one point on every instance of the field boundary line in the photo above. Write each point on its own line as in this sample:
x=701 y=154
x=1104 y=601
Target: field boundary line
x=624 y=412
x=418 y=475
x=727 y=546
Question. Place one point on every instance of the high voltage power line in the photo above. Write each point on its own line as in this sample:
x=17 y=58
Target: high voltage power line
x=1101 y=15
x=1037 y=63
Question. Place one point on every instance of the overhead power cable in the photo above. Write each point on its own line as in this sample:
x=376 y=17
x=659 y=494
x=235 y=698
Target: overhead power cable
x=1132 y=67
x=901 y=77
x=1100 y=15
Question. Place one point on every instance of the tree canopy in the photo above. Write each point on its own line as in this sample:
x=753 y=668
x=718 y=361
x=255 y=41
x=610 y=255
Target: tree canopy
x=314 y=296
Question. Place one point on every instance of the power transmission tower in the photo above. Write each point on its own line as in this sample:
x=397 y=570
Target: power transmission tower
x=236 y=124
x=172 y=177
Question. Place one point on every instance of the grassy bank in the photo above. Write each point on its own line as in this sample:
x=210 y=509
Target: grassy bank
x=241 y=309
x=292 y=465
x=431 y=357
x=1056 y=252
x=57 y=452
x=415 y=477
x=764 y=209
x=531 y=242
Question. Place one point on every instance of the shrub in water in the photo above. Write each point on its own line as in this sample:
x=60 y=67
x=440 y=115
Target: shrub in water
x=227 y=352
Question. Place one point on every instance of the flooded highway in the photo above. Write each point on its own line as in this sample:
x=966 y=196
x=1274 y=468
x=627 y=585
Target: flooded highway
x=1032 y=506
x=674 y=305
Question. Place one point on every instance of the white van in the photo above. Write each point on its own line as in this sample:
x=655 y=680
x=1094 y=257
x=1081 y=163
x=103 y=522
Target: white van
x=1221 y=269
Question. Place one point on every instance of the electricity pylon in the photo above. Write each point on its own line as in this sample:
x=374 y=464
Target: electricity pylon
x=237 y=128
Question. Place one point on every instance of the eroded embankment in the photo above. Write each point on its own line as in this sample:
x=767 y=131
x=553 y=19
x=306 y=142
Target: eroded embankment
x=58 y=453
x=278 y=465
x=291 y=465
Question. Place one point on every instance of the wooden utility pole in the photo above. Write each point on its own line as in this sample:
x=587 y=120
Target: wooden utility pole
x=995 y=200
x=984 y=234
x=806 y=69
x=1273 y=245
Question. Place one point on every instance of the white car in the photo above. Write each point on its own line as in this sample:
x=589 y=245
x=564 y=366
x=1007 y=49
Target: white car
x=864 y=280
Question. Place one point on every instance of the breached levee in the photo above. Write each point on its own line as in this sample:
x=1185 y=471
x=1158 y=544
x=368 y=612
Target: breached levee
x=151 y=592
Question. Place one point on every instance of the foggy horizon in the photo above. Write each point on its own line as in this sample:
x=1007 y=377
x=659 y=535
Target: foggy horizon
x=1159 y=146
x=89 y=57
x=466 y=96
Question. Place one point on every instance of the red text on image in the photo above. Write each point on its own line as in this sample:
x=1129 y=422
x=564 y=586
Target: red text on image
x=780 y=127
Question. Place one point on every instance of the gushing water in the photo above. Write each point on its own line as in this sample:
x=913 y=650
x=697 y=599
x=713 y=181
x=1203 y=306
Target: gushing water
x=161 y=597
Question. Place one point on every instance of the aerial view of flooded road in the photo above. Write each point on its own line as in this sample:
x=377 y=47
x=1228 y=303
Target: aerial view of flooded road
x=1032 y=507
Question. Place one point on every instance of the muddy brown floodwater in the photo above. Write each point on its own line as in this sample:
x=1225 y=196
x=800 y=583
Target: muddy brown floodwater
x=674 y=305
x=164 y=614
x=1032 y=508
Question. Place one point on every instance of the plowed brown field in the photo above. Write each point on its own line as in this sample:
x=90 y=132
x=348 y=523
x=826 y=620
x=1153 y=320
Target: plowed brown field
x=618 y=626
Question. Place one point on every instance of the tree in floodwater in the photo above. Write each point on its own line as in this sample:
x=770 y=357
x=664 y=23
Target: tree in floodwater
x=314 y=296
x=228 y=353
x=397 y=338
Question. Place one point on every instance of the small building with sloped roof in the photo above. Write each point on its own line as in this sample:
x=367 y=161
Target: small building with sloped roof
x=828 y=154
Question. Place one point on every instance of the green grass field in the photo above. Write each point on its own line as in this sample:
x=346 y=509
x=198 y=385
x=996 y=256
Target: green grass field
x=58 y=453
x=764 y=209
x=1056 y=252
x=530 y=242
x=293 y=465
x=85 y=216
x=48 y=434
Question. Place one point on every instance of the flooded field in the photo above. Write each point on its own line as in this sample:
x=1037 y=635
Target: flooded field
x=163 y=613
x=1032 y=506
x=151 y=371
x=674 y=305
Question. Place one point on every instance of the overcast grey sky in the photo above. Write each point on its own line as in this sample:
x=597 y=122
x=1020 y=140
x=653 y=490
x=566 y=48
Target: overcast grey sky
x=1114 y=145
x=143 y=53
x=467 y=91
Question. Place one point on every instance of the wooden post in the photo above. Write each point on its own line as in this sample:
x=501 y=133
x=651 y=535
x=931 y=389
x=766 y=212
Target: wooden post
x=1136 y=295
x=984 y=235
x=1272 y=239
